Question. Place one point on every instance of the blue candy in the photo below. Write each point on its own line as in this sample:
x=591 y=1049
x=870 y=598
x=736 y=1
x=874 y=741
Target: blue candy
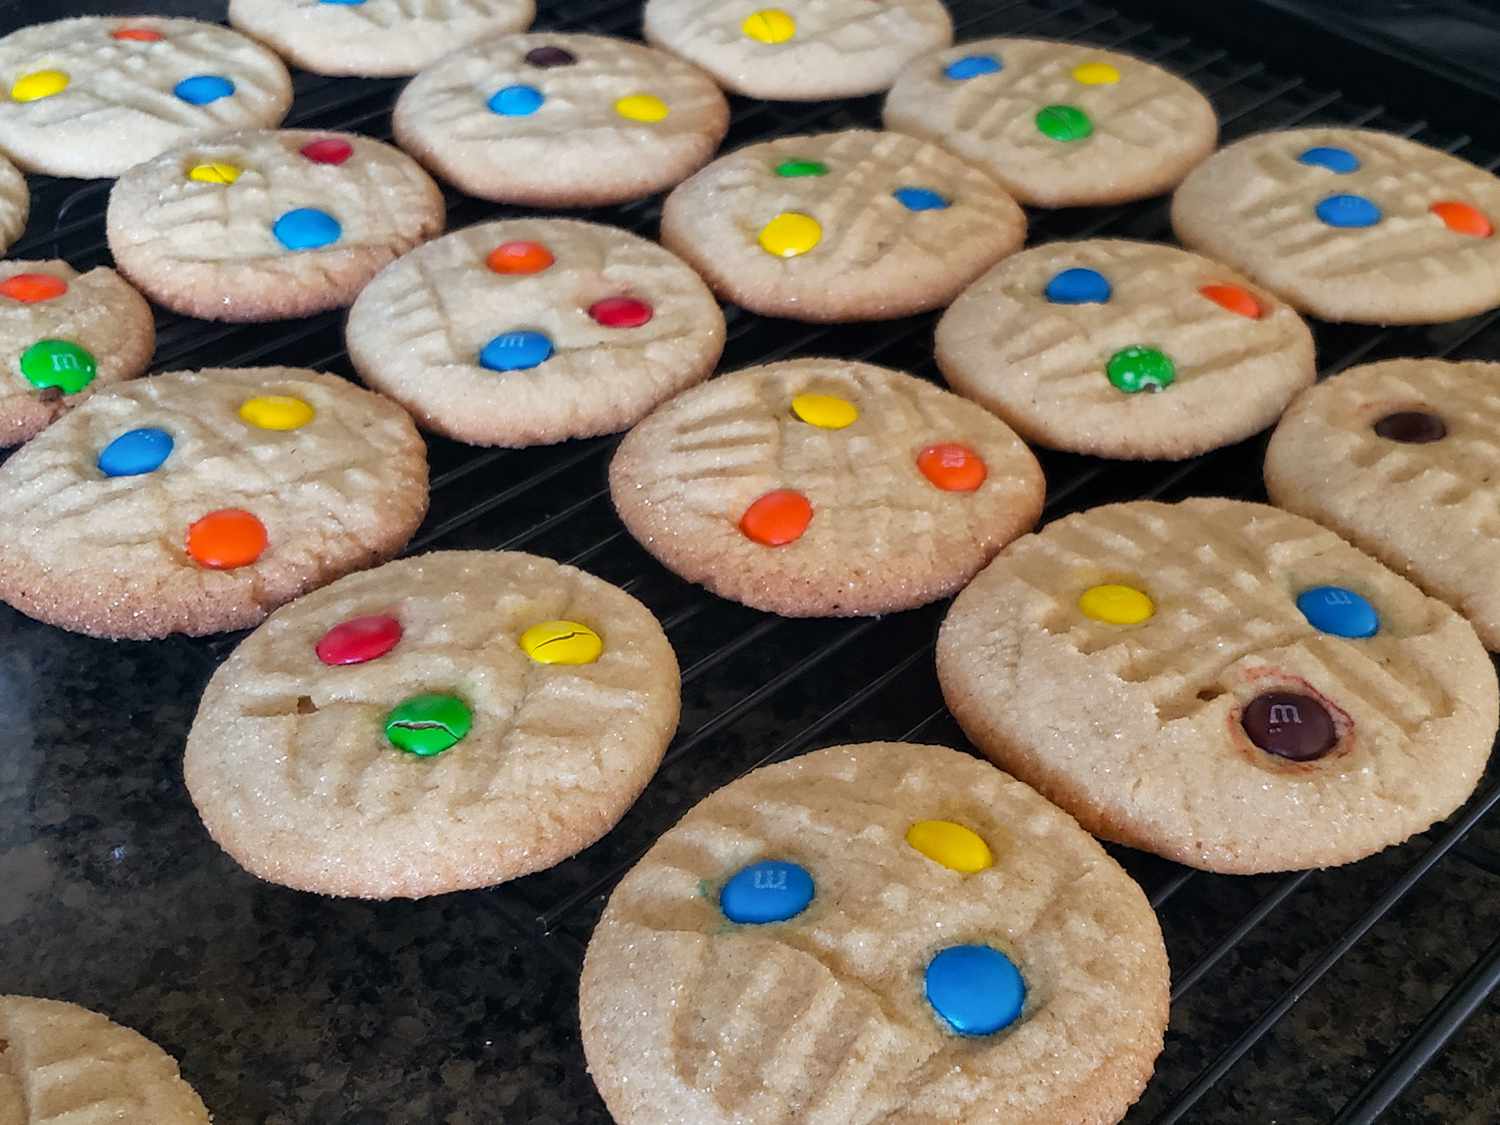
x=306 y=228
x=516 y=101
x=515 y=351
x=1079 y=286
x=135 y=452
x=1339 y=160
x=1333 y=609
x=1348 y=211
x=341 y=1
x=203 y=88
x=920 y=199
x=769 y=891
x=972 y=66
x=975 y=989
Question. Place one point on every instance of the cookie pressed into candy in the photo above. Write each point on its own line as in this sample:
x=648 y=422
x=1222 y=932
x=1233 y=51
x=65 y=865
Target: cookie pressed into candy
x=1223 y=683
x=824 y=487
x=881 y=932
x=443 y=722
x=527 y=331
x=196 y=502
x=854 y=225
x=1059 y=124
x=93 y=96
x=1124 y=349
x=1349 y=224
x=554 y=120
x=268 y=224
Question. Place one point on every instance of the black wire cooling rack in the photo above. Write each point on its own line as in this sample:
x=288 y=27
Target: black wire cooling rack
x=1310 y=997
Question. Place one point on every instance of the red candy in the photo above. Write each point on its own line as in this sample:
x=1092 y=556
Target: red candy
x=1463 y=219
x=777 y=518
x=621 y=312
x=952 y=467
x=1233 y=298
x=329 y=150
x=136 y=34
x=519 y=257
x=359 y=639
x=32 y=287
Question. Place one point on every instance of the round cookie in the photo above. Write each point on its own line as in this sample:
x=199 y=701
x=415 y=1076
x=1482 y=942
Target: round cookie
x=443 y=722
x=882 y=932
x=267 y=224
x=856 y=225
x=374 y=38
x=1124 y=349
x=552 y=120
x=1059 y=124
x=528 y=331
x=15 y=204
x=805 y=51
x=63 y=335
x=824 y=487
x=1349 y=224
x=1222 y=683
x=197 y=502
x=66 y=1063
x=93 y=96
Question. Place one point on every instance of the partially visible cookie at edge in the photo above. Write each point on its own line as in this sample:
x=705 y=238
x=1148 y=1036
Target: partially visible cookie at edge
x=15 y=204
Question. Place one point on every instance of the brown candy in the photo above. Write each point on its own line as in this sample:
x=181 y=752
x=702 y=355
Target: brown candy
x=1415 y=427
x=1289 y=725
x=550 y=56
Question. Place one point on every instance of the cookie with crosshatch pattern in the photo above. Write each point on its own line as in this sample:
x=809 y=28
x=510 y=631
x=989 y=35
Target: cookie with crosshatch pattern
x=881 y=932
x=268 y=223
x=1223 y=683
x=1349 y=224
x=1403 y=459
x=553 y=120
x=824 y=487
x=527 y=331
x=198 y=501
x=1059 y=124
x=93 y=96
x=442 y=722
x=1124 y=349
x=854 y=225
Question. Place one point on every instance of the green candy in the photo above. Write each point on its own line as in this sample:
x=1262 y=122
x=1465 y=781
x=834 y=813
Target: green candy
x=58 y=363
x=792 y=168
x=1064 y=123
x=1140 y=369
x=428 y=724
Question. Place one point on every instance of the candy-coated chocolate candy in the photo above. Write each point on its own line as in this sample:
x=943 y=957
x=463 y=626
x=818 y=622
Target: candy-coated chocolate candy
x=1289 y=725
x=359 y=640
x=789 y=234
x=1096 y=74
x=1234 y=299
x=620 y=312
x=1461 y=218
x=519 y=257
x=226 y=539
x=562 y=642
x=1079 y=286
x=1339 y=160
x=276 y=412
x=135 y=452
x=828 y=412
x=769 y=25
x=920 y=199
x=1064 y=123
x=350 y=3
x=515 y=351
x=516 y=101
x=647 y=108
x=201 y=89
x=1116 y=604
x=952 y=845
x=550 y=56
x=952 y=467
x=1140 y=369
x=327 y=150
x=39 y=84
x=772 y=890
x=29 y=288
x=136 y=34
x=1416 y=427
x=1352 y=211
x=777 y=518
x=307 y=228
x=428 y=724
x=1336 y=610
x=215 y=172
x=795 y=168
x=975 y=989
x=58 y=363
x=972 y=66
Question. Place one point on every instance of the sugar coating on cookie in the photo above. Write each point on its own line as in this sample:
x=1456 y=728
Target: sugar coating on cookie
x=93 y=96
x=266 y=224
x=1403 y=458
x=804 y=50
x=374 y=37
x=197 y=502
x=824 y=487
x=15 y=203
x=554 y=120
x=64 y=1062
x=528 y=331
x=1349 y=224
x=1124 y=349
x=1225 y=684
x=854 y=225
x=443 y=722
x=1059 y=124
x=835 y=938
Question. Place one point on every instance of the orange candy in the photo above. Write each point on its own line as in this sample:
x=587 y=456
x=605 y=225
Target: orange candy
x=137 y=34
x=519 y=257
x=226 y=539
x=1463 y=219
x=777 y=518
x=1233 y=298
x=32 y=287
x=952 y=467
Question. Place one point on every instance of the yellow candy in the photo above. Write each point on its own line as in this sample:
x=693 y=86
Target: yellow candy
x=769 y=25
x=1117 y=605
x=954 y=846
x=789 y=234
x=562 y=642
x=214 y=173
x=39 y=84
x=276 y=412
x=827 y=411
x=1096 y=74
x=642 y=107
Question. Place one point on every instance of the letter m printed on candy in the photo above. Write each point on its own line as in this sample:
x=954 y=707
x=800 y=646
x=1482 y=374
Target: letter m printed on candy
x=1283 y=714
